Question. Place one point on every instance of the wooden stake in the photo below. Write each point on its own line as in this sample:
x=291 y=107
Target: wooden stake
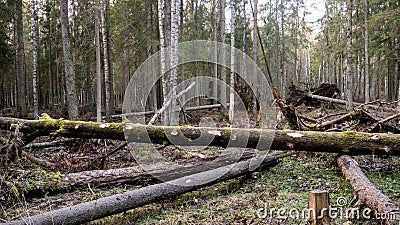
x=318 y=203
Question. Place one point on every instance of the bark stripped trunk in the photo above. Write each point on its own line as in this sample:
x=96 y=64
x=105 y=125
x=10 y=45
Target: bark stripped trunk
x=69 y=67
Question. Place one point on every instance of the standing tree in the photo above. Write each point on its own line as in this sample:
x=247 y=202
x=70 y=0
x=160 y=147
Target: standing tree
x=223 y=50
x=107 y=77
x=34 y=63
x=68 y=64
x=349 y=86
x=367 y=78
x=232 y=88
x=21 y=106
x=255 y=53
x=174 y=56
x=98 y=62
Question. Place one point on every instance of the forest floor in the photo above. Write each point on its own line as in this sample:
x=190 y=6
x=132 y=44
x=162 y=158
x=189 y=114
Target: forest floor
x=252 y=199
x=238 y=201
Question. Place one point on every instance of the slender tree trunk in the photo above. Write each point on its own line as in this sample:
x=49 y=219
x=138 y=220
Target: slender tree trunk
x=21 y=102
x=167 y=88
x=34 y=63
x=349 y=86
x=367 y=78
x=109 y=54
x=232 y=88
x=69 y=67
x=174 y=56
x=283 y=53
x=255 y=55
x=98 y=62
x=223 y=51
x=104 y=30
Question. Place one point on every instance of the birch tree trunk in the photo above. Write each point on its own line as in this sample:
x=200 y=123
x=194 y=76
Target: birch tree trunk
x=104 y=31
x=174 y=56
x=232 y=88
x=349 y=86
x=69 y=67
x=367 y=78
x=98 y=62
x=21 y=103
x=34 y=63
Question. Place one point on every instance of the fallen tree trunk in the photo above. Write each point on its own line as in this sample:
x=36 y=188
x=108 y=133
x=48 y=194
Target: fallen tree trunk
x=103 y=207
x=56 y=183
x=367 y=193
x=343 y=102
x=350 y=143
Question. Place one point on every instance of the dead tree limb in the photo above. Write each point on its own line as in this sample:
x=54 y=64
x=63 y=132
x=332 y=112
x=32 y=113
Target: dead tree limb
x=169 y=102
x=103 y=207
x=367 y=193
x=351 y=143
x=343 y=102
x=38 y=161
x=58 y=183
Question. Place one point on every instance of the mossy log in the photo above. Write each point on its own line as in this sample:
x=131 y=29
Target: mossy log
x=367 y=193
x=350 y=143
x=114 y=204
x=51 y=183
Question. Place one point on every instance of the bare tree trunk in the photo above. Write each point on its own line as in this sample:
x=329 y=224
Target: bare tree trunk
x=21 y=102
x=34 y=63
x=232 y=88
x=223 y=51
x=98 y=62
x=69 y=66
x=255 y=53
x=367 y=78
x=349 y=86
x=104 y=30
x=174 y=56
x=282 y=65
